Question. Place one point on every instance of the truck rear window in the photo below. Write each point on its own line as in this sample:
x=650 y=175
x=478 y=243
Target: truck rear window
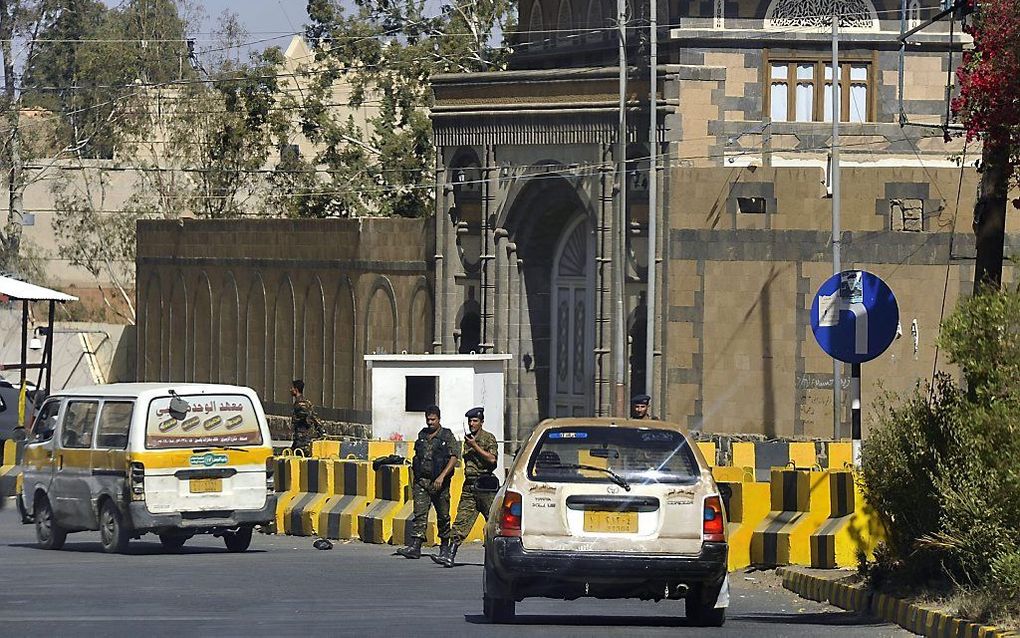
x=580 y=454
x=211 y=420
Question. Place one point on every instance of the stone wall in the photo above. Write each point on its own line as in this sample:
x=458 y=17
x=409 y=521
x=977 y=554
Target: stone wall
x=739 y=353
x=260 y=302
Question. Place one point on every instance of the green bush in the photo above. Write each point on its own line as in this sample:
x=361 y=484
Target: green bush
x=942 y=468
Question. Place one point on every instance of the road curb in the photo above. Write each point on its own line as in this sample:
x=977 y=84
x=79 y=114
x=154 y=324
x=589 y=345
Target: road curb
x=913 y=618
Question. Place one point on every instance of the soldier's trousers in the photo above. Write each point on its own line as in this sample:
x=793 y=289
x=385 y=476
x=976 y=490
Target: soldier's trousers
x=470 y=506
x=424 y=498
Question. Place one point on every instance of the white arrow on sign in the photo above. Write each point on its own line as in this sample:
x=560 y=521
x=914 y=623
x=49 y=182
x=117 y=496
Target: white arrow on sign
x=829 y=307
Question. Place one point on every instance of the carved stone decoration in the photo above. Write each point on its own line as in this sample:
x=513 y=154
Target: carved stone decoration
x=857 y=15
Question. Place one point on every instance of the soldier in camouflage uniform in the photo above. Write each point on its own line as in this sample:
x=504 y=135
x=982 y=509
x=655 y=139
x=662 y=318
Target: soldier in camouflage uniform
x=480 y=449
x=304 y=424
x=435 y=455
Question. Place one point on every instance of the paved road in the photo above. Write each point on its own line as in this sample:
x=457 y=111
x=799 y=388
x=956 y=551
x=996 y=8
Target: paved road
x=285 y=587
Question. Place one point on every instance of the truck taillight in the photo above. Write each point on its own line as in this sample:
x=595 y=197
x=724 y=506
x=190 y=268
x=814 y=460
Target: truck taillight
x=713 y=526
x=510 y=515
x=270 y=471
x=136 y=478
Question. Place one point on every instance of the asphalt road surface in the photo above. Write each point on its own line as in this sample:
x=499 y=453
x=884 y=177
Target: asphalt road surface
x=283 y=586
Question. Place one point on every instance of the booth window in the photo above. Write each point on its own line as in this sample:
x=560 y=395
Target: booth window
x=419 y=393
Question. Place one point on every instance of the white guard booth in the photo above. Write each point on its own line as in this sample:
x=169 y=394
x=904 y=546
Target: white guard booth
x=404 y=384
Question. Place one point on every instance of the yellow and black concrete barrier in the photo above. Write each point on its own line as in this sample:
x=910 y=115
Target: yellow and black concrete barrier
x=912 y=617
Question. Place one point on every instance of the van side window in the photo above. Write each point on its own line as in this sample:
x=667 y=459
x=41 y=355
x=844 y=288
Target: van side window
x=45 y=422
x=114 y=423
x=79 y=423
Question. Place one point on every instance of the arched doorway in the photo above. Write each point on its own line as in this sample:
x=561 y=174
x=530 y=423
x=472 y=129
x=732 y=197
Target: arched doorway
x=572 y=333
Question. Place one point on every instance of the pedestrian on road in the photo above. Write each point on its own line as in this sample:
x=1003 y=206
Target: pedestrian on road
x=304 y=424
x=435 y=455
x=639 y=407
x=480 y=449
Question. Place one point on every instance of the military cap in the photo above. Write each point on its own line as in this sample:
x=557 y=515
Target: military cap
x=475 y=413
x=640 y=399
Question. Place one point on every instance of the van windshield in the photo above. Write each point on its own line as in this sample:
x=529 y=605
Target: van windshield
x=211 y=420
x=594 y=454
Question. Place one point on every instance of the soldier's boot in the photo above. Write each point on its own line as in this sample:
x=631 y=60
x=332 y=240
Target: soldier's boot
x=444 y=547
x=450 y=559
x=412 y=550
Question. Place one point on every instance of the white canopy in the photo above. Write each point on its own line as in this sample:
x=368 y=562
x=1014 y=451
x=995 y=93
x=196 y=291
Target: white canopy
x=24 y=291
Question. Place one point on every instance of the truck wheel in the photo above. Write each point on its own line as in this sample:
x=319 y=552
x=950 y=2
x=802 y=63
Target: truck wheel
x=238 y=541
x=112 y=534
x=48 y=532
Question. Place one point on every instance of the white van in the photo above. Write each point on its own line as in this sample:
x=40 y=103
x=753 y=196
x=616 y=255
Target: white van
x=131 y=458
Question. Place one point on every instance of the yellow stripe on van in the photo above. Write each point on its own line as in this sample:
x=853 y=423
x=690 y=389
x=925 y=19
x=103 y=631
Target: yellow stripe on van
x=157 y=459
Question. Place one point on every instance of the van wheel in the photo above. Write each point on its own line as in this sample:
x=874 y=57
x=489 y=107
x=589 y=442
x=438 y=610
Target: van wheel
x=499 y=610
x=48 y=532
x=172 y=542
x=238 y=541
x=112 y=534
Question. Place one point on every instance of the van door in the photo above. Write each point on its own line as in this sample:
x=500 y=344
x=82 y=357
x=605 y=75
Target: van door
x=70 y=494
x=38 y=462
x=109 y=458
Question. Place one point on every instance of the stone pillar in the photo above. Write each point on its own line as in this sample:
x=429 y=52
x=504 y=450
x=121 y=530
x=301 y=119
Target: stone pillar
x=603 y=282
x=490 y=184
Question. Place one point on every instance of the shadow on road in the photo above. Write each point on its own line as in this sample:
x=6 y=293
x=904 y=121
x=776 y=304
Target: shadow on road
x=830 y=618
x=587 y=621
x=133 y=549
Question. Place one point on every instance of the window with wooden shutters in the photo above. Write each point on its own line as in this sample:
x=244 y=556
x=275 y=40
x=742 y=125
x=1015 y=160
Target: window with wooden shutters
x=801 y=91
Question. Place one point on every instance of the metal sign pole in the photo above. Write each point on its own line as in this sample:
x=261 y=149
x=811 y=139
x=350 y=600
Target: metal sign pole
x=619 y=229
x=837 y=381
x=653 y=198
x=855 y=411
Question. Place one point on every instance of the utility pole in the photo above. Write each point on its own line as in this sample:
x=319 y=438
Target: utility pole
x=837 y=382
x=620 y=227
x=653 y=194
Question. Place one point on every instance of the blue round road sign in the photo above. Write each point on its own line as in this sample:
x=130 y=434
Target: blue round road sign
x=854 y=316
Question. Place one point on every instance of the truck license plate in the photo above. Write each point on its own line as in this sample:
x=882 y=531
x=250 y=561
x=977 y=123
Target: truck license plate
x=200 y=486
x=610 y=522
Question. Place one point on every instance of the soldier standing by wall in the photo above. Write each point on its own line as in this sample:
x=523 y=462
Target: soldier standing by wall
x=435 y=455
x=480 y=449
x=304 y=424
x=639 y=407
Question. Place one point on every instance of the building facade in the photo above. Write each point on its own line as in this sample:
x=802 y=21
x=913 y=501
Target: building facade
x=528 y=223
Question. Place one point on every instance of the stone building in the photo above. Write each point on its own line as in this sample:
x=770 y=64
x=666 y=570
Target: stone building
x=526 y=220
x=261 y=302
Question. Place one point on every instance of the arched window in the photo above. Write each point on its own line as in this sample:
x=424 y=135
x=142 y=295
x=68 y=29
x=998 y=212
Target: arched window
x=854 y=15
x=914 y=14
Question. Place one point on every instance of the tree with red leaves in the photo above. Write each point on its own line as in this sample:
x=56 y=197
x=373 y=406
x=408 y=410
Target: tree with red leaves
x=988 y=105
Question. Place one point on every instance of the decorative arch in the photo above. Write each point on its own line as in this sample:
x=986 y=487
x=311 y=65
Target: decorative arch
x=282 y=363
x=381 y=318
x=420 y=338
x=228 y=331
x=313 y=334
x=152 y=327
x=595 y=18
x=200 y=343
x=255 y=336
x=535 y=22
x=564 y=18
x=855 y=15
x=176 y=347
x=340 y=374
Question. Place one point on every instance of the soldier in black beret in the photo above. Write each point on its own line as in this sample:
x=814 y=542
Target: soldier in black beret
x=639 y=407
x=480 y=449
